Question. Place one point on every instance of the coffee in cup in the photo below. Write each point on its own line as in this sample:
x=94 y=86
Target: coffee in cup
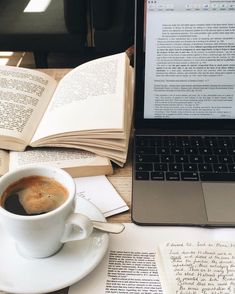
x=37 y=210
x=33 y=195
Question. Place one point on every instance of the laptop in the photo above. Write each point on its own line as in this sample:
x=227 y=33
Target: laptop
x=184 y=141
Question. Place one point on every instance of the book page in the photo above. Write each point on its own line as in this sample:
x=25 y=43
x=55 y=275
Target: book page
x=4 y=162
x=76 y=162
x=129 y=266
x=90 y=97
x=201 y=267
x=25 y=95
x=190 y=67
x=116 y=156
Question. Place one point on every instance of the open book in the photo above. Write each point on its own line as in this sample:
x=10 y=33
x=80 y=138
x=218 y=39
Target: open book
x=76 y=162
x=90 y=108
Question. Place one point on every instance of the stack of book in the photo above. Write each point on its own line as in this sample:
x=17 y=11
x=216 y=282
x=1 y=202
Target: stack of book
x=87 y=114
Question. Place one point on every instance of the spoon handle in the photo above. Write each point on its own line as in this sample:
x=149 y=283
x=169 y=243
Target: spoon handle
x=114 y=228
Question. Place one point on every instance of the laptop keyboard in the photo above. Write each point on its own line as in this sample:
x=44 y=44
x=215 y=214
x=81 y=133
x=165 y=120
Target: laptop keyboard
x=184 y=158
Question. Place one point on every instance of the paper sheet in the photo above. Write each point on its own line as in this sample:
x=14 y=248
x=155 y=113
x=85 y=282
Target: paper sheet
x=129 y=266
x=100 y=192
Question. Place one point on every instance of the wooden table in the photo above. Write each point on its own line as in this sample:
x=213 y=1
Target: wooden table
x=121 y=178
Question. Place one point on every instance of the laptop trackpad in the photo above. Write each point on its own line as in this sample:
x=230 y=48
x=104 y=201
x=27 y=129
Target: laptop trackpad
x=220 y=202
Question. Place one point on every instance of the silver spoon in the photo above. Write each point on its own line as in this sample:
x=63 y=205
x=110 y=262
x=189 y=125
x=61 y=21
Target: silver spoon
x=114 y=228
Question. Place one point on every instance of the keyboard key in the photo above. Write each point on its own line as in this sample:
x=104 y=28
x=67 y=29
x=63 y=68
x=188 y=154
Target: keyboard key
x=172 y=176
x=157 y=176
x=231 y=167
x=220 y=151
x=210 y=159
x=224 y=142
x=175 y=167
x=217 y=176
x=167 y=158
x=154 y=143
x=163 y=150
x=225 y=159
x=231 y=151
x=210 y=142
x=160 y=167
x=145 y=150
x=169 y=141
x=142 y=142
x=142 y=176
x=192 y=151
x=190 y=167
x=205 y=151
x=177 y=150
x=195 y=159
x=144 y=166
x=197 y=142
x=189 y=176
x=182 y=141
x=181 y=158
x=147 y=158
x=205 y=167
x=220 y=167
x=158 y=141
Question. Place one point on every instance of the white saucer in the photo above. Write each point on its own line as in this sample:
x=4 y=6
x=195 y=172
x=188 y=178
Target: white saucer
x=74 y=261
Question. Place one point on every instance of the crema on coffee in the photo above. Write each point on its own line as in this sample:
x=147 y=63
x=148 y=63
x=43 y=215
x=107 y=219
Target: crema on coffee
x=33 y=195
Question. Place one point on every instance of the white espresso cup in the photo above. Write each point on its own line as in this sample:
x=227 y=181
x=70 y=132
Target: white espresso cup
x=42 y=235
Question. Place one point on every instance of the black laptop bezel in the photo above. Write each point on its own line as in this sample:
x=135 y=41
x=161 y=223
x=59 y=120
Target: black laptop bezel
x=214 y=126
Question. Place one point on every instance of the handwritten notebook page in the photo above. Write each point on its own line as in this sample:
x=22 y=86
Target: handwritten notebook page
x=197 y=267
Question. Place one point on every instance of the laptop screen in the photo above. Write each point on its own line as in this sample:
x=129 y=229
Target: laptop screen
x=185 y=64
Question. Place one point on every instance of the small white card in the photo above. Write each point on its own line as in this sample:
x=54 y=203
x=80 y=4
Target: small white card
x=100 y=192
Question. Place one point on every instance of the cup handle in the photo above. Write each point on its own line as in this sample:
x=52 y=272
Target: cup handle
x=77 y=227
